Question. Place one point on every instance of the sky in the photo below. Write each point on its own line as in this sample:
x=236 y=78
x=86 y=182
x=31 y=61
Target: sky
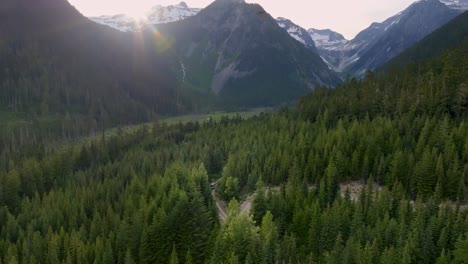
x=347 y=17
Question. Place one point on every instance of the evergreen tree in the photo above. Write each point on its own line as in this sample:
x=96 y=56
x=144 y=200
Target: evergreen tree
x=461 y=251
x=259 y=206
x=174 y=259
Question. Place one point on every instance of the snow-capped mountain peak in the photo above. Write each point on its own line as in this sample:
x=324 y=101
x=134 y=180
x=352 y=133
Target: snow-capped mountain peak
x=296 y=32
x=120 y=22
x=166 y=14
x=456 y=4
x=156 y=15
x=330 y=45
x=381 y=41
x=327 y=39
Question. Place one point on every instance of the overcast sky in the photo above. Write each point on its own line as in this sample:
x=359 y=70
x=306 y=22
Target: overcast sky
x=344 y=16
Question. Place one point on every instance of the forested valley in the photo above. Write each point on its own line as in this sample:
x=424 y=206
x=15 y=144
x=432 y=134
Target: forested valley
x=145 y=197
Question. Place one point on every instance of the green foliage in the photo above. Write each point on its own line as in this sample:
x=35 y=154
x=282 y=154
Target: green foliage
x=174 y=259
x=461 y=252
x=137 y=198
x=145 y=197
x=231 y=190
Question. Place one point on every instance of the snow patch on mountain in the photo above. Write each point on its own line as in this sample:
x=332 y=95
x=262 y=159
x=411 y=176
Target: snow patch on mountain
x=396 y=20
x=456 y=4
x=295 y=31
x=327 y=39
x=298 y=33
x=162 y=14
x=120 y=22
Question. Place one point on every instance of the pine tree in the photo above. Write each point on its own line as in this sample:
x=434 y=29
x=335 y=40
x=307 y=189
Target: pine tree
x=335 y=255
x=129 y=258
x=461 y=251
x=425 y=174
x=12 y=255
x=11 y=190
x=331 y=181
x=108 y=255
x=443 y=259
x=269 y=239
x=259 y=206
x=173 y=258
x=188 y=257
x=232 y=188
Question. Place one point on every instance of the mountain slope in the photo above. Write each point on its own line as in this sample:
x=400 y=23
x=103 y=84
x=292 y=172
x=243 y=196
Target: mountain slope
x=436 y=86
x=173 y=13
x=297 y=32
x=380 y=42
x=383 y=41
x=238 y=52
x=54 y=61
x=330 y=45
x=450 y=36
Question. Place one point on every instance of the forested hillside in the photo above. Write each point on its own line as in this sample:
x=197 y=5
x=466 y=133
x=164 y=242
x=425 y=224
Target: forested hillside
x=63 y=76
x=145 y=197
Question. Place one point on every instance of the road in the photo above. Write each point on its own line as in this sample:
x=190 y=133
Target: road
x=354 y=189
x=221 y=206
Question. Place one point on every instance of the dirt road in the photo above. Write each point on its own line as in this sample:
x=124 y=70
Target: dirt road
x=221 y=205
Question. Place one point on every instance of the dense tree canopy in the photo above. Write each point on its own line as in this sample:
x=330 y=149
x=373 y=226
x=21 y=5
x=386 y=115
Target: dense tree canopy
x=145 y=197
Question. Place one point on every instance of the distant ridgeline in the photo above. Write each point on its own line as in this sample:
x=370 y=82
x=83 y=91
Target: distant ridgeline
x=449 y=36
x=430 y=79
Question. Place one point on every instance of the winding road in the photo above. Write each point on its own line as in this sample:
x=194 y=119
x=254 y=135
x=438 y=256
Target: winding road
x=221 y=206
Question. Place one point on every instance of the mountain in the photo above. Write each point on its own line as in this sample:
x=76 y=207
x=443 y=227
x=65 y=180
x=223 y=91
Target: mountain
x=380 y=42
x=157 y=15
x=383 y=41
x=448 y=37
x=297 y=32
x=55 y=62
x=238 y=52
x=165 y=14
x=329 y=44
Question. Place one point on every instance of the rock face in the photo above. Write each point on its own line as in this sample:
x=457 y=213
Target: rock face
x=166 y=14
x=381 y=42
x=330 y=45
x=297 y=32
x=237 y=51
x=449 y=37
